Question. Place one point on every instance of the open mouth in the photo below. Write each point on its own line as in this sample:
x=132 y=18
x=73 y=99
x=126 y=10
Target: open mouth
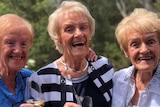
x=78 y=44
x=16 y=57
x=145 y=58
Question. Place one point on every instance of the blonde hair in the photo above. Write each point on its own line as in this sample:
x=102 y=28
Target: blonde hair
x=140 y=20
x=69 y=7
x=13 y=24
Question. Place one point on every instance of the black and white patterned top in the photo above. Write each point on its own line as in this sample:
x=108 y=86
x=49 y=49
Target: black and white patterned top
x=57 y=90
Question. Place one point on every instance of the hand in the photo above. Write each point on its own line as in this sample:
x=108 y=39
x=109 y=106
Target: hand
x=29 y=105
x=71 y=104
x=92 y=55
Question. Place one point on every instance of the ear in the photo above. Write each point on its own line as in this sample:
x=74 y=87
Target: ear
x=126 y=54
x=59 y=41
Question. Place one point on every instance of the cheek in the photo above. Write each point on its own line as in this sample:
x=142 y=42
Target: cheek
x=26 y=51
x=65 y=43
x=4 y=51
x=131 y=54
x=158 y=53
x=3 y=56
x=88 y=37
x=64 y=39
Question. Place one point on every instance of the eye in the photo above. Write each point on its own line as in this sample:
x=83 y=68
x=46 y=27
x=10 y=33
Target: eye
x=84 y=27
x=150 y=42
x=69 y=29
x=9 y=42
x=25 y=44
x=134 y=44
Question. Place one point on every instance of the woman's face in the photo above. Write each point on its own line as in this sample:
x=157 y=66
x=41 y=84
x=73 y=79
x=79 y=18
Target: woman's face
x=143 y=51
x=75 y=34
x=14 y=51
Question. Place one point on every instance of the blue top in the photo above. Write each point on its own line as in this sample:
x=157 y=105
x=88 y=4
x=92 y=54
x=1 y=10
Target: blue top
x=7 y=99
x=124 y=89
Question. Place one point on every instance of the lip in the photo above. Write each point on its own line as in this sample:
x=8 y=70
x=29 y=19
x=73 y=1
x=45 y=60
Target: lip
x=17 y=57
x=75 y=44
x=145 y=58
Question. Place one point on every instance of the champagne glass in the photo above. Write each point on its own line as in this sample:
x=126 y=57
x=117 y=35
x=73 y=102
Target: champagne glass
x=38 y=97
x=86 y=101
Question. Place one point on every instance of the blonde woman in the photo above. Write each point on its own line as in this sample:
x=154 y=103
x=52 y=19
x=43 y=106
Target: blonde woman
x=16 y=38
x=139 y=38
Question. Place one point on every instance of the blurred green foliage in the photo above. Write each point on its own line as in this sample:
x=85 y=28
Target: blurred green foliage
x=105 y=12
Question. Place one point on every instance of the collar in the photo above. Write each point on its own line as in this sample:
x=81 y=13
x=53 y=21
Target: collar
x=154 y=84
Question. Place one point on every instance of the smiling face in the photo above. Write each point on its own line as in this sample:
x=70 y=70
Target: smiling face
x=75 y=34
x=143 y=51
x=14 y=51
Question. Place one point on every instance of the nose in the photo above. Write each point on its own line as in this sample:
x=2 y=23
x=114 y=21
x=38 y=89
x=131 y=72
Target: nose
x=78 y=32
x=17 y=48
x=144 y=48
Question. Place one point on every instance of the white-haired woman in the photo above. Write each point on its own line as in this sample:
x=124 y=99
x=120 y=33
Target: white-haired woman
x=71 y=77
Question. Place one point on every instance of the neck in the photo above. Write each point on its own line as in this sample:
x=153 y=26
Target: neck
x=78 y=69
x=143 y=77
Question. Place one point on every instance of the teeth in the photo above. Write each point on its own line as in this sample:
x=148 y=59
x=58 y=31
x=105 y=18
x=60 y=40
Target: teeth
x=16 y=58
x=78 y=44
x=145 y=58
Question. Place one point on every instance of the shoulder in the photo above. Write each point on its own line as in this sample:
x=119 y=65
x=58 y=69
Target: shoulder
x=46 y=72
x=101 y=73
x=25 y=72
x=101 y=68
x=123 y=73
x=102 y=61
x=121 y=81
x=48 y=69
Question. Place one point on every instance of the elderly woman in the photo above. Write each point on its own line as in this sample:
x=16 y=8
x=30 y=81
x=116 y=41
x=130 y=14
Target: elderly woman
x=71 y=77
x=16 y=37
x=139 y=38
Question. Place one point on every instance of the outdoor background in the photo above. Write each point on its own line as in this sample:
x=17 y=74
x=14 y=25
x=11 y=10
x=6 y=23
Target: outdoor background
x=107 y=13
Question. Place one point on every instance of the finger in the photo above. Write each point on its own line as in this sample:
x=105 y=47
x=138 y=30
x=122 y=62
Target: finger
x=95 y=58
x=29 y=105
x=70 y=104
x=26 y=105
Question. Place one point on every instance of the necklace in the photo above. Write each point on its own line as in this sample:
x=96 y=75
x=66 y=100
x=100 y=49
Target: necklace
x=66 y=67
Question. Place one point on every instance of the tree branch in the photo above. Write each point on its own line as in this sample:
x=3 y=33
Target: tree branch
x=121 y=7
